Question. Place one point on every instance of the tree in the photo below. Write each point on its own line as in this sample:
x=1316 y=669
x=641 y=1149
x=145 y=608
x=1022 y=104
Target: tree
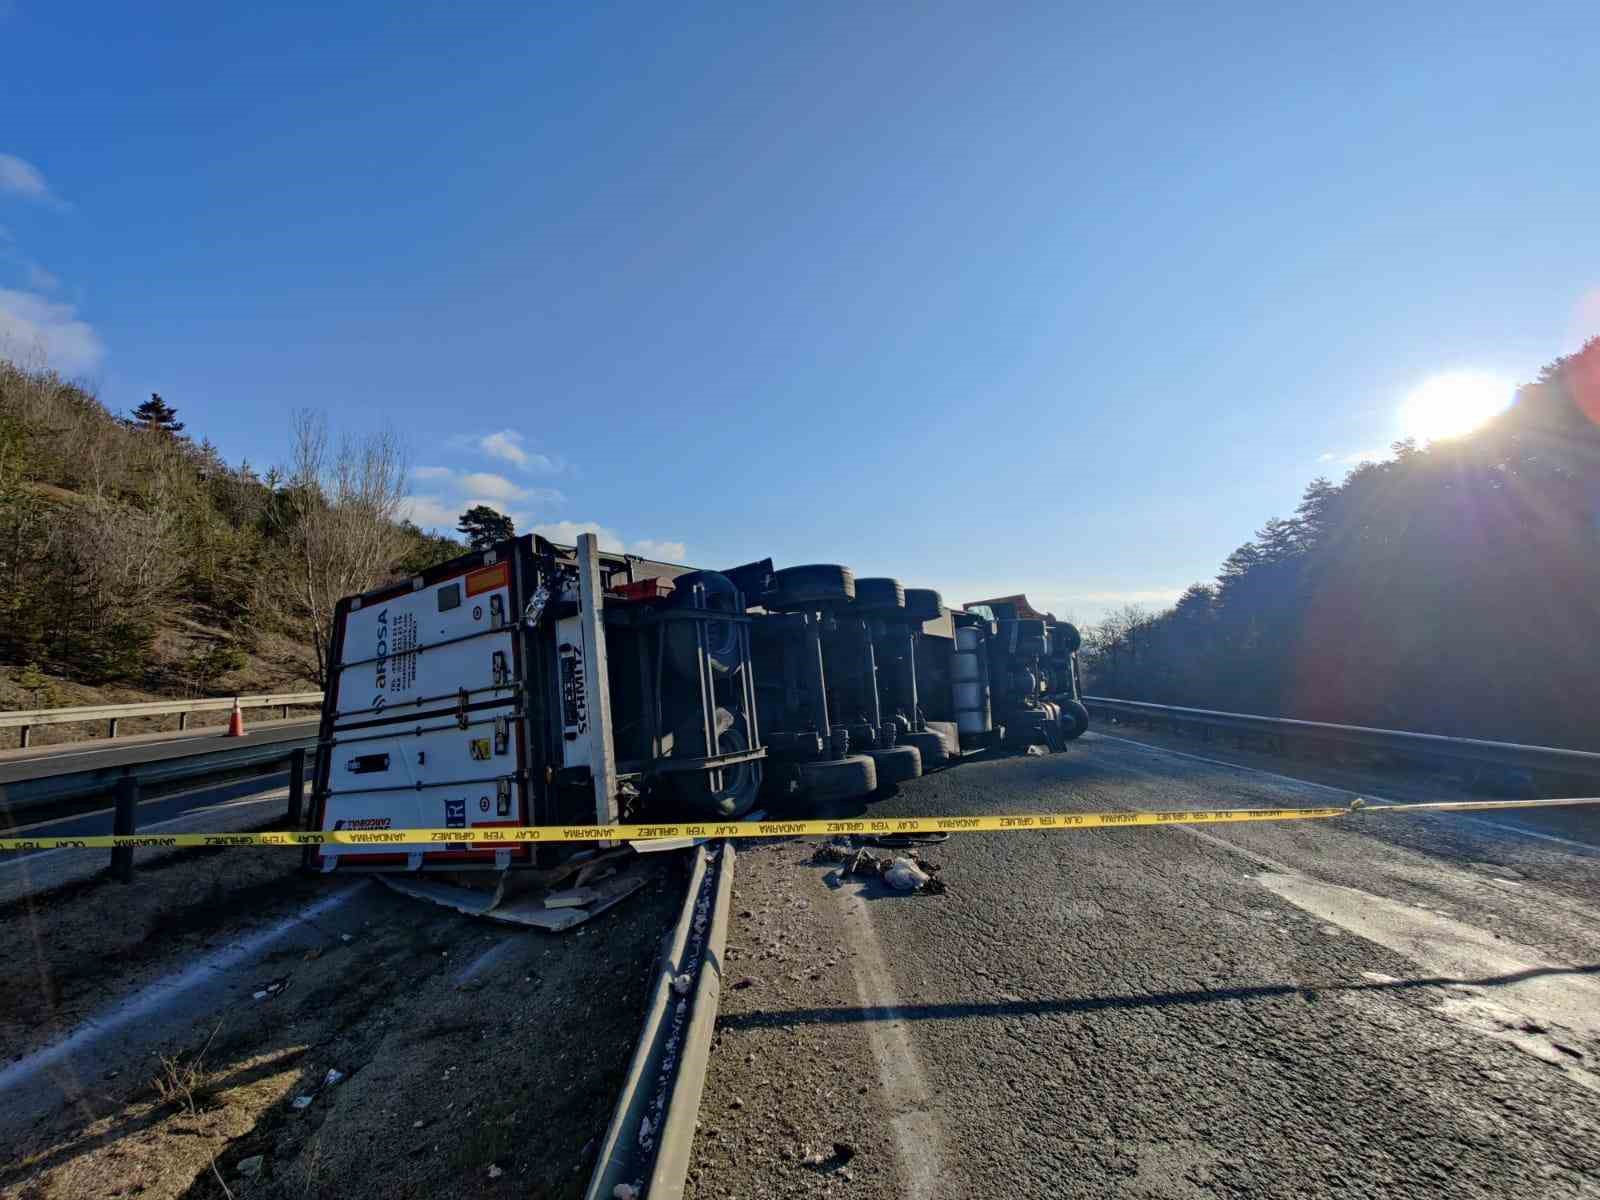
x=338 y=515
x=157 y=416
x=35 y=682
x=484 y=527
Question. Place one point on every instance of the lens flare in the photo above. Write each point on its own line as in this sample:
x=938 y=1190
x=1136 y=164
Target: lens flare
x=1453 y=403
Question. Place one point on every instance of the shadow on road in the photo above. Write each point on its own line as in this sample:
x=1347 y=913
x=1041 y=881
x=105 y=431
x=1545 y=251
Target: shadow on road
x=1088 y=1004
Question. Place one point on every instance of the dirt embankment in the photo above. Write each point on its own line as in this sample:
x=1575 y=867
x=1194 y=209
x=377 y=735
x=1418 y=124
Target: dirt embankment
x=473 y=1059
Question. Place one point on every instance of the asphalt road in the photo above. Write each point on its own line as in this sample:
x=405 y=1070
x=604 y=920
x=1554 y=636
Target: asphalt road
x=37 y=762
x=210 y=808
x=1398 y=1005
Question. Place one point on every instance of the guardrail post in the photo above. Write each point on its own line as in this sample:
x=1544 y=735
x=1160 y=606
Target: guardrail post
x=285 y=712
x=27 y=731
x=183 y=721
x=297 y=788
x=124 y=822
x=111 y=728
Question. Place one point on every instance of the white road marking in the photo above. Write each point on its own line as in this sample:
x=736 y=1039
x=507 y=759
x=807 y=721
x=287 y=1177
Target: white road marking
x=277 y=796
x=149 y=1000
x=1523 y=1012
x=918 y=1140
x=1485 y=822
x=198 y=790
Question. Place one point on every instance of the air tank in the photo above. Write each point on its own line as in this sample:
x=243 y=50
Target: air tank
x=969 y=673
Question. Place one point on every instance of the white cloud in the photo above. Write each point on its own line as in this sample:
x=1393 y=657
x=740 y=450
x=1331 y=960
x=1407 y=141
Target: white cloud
x=497 y=487
x=432 y=473
x=36 y=324
x=566 y=533
x=510 y=446
x=673 y=552
x=40 y=278
x=21 y=178
x=430 y=512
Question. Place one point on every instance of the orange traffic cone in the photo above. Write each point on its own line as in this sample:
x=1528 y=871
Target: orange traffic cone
x=236 y=720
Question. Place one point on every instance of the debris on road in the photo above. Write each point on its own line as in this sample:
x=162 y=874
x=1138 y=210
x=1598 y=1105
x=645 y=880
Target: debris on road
x=333 y=1077
x=302 y=1102
x=249 y=1167
x=682 y=982
x=905 y=873
x=625 y=1191
x=273 y=988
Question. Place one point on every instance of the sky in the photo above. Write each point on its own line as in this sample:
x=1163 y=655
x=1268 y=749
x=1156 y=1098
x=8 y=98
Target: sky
x=1062 y=299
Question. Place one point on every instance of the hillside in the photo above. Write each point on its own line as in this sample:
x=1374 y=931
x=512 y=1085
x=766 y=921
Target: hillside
x=136 y=563
x=1452 y=589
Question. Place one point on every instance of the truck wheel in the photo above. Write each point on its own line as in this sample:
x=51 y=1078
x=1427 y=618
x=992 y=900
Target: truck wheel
x=879 y=595
x=805 y=587
x=1024 y=638
x=722 y=637
x=896 y=764
x=930 y=747
x=1074 y=719
x=740 y=784
x=839 y=778
x=923 y=604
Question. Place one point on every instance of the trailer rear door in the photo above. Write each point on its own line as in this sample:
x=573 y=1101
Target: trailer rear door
x=423 y=725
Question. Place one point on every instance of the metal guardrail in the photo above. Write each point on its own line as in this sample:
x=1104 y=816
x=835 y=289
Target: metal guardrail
x=160 y=766
x=26 y=719
x=1423 y=745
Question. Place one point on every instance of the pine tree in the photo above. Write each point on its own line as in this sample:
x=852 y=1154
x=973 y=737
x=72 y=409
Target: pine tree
x=484 y=526
x=31 y=679
x=156 y=414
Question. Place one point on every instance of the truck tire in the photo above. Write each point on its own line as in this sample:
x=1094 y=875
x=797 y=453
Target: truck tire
x=722 y=637
x=1074 y=719
x=930 y=747
x=740 y=784
x=896 y=764
x=923 y=604
x=879 y=595
x=1022 y=639
x=806 y=587
x=839 y=778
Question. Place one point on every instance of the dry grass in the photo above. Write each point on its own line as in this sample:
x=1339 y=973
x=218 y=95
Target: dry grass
x=182 y=1081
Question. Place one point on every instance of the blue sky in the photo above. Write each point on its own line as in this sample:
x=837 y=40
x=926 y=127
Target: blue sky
x=1064 y=299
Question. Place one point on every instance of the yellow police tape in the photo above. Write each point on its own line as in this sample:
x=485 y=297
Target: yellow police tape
x=875 y=827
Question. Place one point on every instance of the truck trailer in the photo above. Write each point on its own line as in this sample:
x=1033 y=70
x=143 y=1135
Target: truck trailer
x=537 y=684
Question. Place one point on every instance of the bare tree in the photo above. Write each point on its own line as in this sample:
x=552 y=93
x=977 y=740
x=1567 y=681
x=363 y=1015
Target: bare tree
x=340 y=519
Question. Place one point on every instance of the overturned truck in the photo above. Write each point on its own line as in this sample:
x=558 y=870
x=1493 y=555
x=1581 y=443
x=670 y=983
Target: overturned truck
x=538 y=684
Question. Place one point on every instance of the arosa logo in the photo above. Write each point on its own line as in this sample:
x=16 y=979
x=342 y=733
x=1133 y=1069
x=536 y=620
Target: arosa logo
x=383 y=649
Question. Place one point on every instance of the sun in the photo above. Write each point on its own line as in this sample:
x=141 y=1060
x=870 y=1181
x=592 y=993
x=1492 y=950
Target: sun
x=1453 y=403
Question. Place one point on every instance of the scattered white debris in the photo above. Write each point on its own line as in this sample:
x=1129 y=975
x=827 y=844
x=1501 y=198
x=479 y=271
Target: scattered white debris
x=301 y=1102
x=682 y=983
x=904 y=875
x=417 y=1124
x=270 y=989
x=495 y=1172
x=345 y=937
x=625 y=1191
x=333 y=1076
